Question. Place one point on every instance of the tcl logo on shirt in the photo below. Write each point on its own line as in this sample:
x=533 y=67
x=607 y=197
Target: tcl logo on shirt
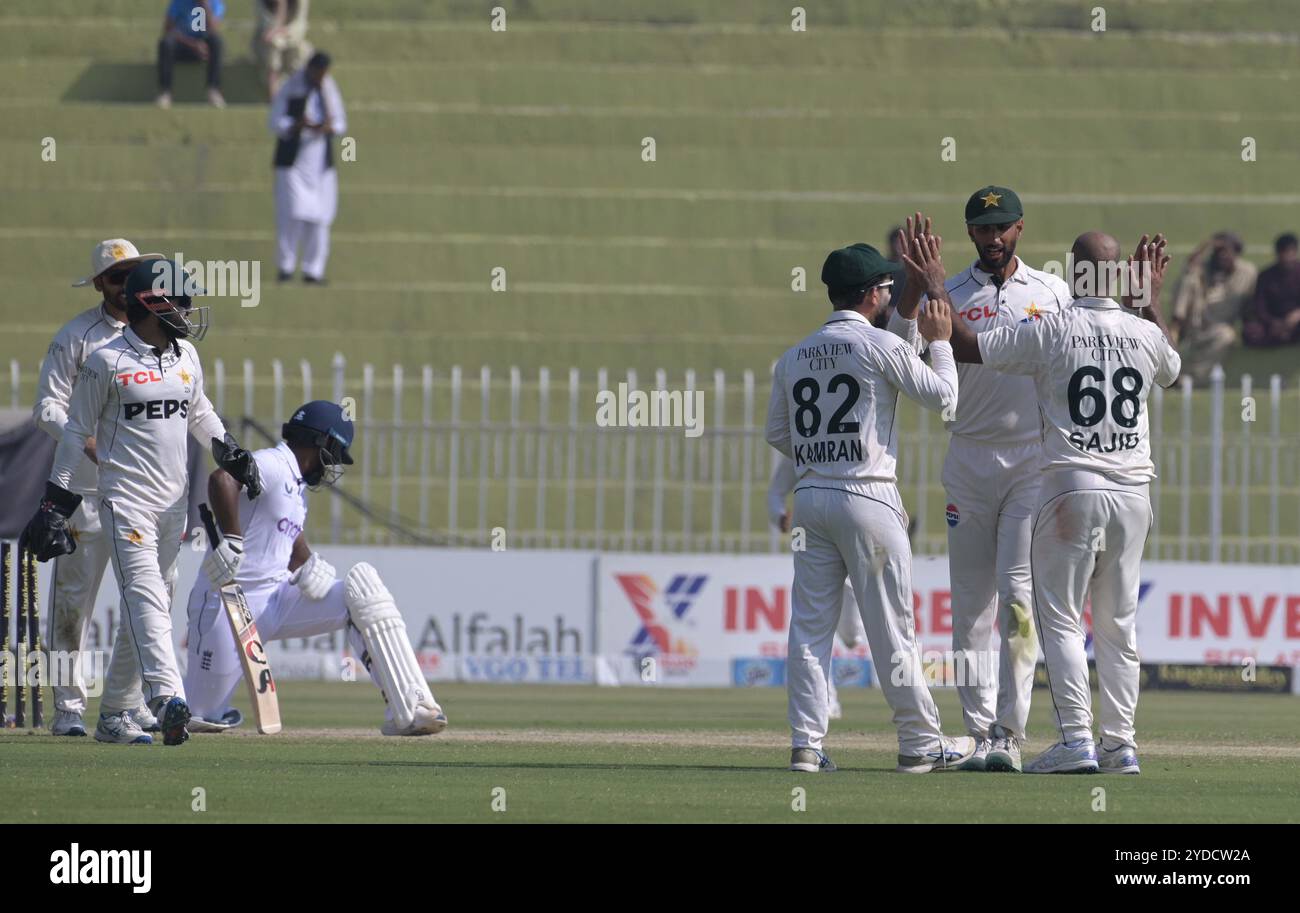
x=978 y=313
x=157 y=408
x=139 y=377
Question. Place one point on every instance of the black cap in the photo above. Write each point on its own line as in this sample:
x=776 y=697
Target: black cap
x=855 y=265
x=993 y=205
x=319 y=61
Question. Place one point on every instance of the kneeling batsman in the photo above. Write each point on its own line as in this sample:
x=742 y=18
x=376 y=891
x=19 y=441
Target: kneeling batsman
x=291 y=590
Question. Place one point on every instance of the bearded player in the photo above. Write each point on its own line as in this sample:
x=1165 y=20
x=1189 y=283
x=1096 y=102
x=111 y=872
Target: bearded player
x=832 y=409
x=140 y=395
x=1093 y=366
x=77 y=576
x=292 y=590
x=991 y=478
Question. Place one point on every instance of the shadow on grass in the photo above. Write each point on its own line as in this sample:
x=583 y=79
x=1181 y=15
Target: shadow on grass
x=134 y=83
x=475 y=765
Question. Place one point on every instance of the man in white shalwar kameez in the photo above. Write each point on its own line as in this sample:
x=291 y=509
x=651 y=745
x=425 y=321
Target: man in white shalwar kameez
x=306 y=115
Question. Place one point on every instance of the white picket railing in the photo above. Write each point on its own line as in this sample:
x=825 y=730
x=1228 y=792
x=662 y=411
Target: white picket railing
x=443 y=457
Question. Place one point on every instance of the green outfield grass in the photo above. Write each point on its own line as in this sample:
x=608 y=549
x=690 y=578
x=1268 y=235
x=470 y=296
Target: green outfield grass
x=575 y=754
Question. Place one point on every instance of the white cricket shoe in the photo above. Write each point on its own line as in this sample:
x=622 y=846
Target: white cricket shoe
x=164 y=100
x=1004 y=751
x=145 y=720
x=979 y=759
x=68 y=722
x=120 y=729
x=811 y=761
x=949 y=754
x=429 y=720
x=1121 y=760
x=1061 y=758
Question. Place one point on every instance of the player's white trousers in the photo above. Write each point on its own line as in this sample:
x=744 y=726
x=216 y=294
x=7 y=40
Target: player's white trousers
x=862 y=535
x=143 y=546
x=1088 y=537
x=281 y=611
x=76 y=580
x=992 y=493
x=851 y=634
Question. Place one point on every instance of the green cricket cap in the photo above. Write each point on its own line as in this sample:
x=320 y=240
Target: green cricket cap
x=855 y=265
x=993 y=205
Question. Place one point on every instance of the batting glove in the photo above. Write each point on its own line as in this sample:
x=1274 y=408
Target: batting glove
x=222 y=563
x=315 y=577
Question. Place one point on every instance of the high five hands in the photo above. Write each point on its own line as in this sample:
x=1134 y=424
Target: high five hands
x=922 y=257
x=1146 y=272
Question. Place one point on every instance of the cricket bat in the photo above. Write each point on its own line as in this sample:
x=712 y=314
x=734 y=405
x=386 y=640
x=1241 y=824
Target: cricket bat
x=252 y=655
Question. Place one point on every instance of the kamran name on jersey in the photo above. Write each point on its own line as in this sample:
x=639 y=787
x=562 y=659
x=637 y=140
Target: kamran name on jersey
x=1093 y=443
x=822 y=357
x=828 y=452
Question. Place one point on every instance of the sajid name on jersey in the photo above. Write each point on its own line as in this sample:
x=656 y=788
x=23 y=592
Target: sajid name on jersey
x=1092 y=443
x=828 y=452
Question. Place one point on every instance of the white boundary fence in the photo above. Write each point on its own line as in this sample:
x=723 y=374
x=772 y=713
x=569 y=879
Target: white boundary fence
x=477 y=458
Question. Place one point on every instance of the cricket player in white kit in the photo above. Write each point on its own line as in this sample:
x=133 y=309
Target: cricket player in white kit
x=1093 y=366
x=832 y=412
x=139 y=395
x=849 y=628
x=292 y=590
x=76 y=577
x=991 y=479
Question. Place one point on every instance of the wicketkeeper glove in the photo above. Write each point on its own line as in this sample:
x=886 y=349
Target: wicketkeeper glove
x=239 y=463
x=47 y=533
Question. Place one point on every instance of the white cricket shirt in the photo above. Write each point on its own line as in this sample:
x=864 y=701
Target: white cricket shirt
x=72 y=345
x=140 y=403
x=1093 y=366
x=274 y=521
x=834 y=396
x=996 y=408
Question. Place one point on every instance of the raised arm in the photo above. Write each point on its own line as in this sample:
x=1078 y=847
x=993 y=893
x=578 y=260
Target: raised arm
x=935 y=388
x=925 y=267
x=1146 y=274
x=907 y=303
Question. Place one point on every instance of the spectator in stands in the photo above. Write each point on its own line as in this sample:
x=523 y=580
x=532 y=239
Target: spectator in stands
x=280 y=44
x=1273 y=317
x=306 y=115
x=191 y=31
x=1211 y=297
